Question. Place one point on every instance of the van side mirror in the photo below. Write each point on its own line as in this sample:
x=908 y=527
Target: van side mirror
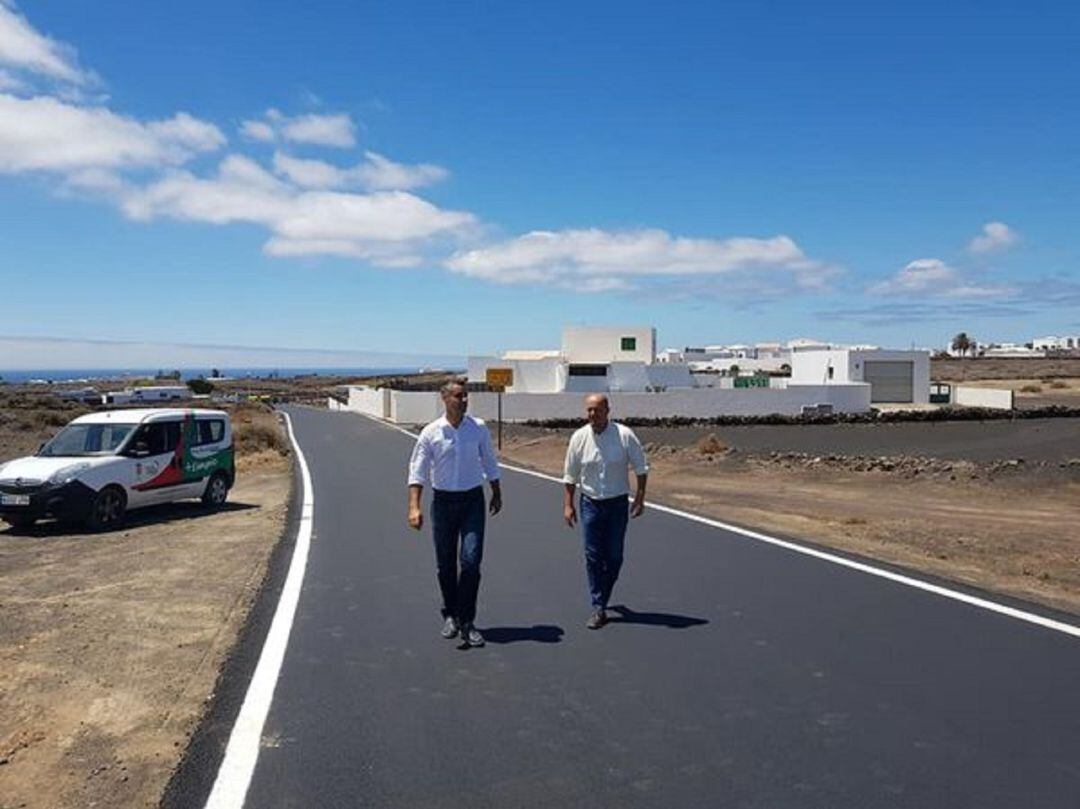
x=140 y=450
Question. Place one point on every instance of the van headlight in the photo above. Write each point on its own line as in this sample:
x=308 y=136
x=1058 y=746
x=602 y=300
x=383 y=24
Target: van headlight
x=67 y=473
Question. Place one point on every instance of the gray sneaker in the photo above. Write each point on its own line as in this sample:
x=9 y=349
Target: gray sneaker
x=450 y=628
x=471 y=636
x=596 y=620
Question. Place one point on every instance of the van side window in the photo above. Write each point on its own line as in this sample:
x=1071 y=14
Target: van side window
x=172 y=435
x=211 y=431
x=160 y=437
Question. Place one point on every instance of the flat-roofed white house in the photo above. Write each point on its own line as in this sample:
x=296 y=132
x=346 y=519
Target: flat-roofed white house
x=895 y=377
x=590 y=360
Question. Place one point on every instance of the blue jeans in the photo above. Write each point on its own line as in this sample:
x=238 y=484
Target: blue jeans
x=603 y=524
x=457 y=521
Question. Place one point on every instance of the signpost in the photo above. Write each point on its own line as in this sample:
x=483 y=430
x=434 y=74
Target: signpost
x=498 y=379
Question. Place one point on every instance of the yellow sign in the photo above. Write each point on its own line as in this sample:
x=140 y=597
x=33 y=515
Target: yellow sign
x=499 y=377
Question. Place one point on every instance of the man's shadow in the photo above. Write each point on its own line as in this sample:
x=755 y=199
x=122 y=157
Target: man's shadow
x=539 y=633
x=670 y=620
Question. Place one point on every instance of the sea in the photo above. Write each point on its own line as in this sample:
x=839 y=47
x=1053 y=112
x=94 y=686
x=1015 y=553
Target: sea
x=84 y=375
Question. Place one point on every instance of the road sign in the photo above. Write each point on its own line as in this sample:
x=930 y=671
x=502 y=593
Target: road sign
x=499 y=377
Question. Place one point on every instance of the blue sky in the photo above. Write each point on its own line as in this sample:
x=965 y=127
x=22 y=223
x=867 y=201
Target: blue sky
x=453 y=178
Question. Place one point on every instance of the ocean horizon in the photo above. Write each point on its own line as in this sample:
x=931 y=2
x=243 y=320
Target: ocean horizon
x=59 y=376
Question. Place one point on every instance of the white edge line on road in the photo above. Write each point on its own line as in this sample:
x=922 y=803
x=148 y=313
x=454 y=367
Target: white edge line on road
x=234 y=775
x=862 y=567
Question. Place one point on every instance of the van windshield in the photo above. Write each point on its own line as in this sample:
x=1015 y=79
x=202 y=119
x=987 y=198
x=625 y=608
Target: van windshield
x=80 y=440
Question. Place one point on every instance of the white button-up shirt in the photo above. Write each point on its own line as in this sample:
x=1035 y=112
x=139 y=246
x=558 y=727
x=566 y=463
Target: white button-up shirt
x=453 y=460
x=600 y=464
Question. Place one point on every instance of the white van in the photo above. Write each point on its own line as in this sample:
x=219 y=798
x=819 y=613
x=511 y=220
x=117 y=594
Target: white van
x=102 y=464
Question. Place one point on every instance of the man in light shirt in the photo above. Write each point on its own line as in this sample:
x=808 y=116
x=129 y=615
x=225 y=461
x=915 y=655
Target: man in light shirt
x=599 y=459
x=454 y=455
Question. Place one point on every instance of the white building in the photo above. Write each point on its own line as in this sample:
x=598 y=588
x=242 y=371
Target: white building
x=1007 y=350
x=894 y=376
x=1053 y=343
x=150 y=393
x=591 y=359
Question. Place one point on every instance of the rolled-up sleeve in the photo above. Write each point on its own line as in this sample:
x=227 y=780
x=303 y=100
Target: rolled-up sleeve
x=572 y=464
x=636 y=454
x=488 y=458
x=420 y=462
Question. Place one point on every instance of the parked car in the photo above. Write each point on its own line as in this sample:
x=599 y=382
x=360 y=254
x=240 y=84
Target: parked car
x=102 y=464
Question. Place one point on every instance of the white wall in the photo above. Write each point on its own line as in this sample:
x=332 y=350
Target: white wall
x=530 y=376
x=374 y=402
x=996 y=398
x=420 y=407
x=811 y=367
x=669 y=376
x=601 y=345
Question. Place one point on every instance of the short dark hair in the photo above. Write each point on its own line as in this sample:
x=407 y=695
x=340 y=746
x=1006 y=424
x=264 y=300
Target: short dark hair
x=453 y=383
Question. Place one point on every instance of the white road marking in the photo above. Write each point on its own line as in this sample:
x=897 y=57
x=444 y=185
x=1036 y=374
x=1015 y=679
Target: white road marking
x=862 y=567
x=234 y=775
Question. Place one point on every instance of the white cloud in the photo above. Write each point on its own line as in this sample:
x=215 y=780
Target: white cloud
x=932 y=277
x=257 y=130
x=599 y=260
x=45 y=134
x=387 y=228
x=23 y=48
x=310 y=173
x=381 y=173
x=995 y=237
x=377 y=173
x=322 y=130
x=335 y=130
x=923 y=274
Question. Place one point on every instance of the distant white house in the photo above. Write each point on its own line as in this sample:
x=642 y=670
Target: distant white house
x=1053 y=343
x=150 y=393
x=1007 y=350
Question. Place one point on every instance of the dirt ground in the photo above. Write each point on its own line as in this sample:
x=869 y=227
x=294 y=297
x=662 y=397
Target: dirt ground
x=110 y=644
x=1036 y=382
x=996 y=522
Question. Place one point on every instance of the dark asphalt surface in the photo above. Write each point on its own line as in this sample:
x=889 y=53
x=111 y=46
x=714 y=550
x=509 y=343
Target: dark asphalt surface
x=742 y=675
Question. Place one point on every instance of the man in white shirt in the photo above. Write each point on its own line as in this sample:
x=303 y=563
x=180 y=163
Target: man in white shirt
x=454 y=455
x=599 y=458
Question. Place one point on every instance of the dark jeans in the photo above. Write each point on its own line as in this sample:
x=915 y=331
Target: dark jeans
x=458 y=517
x=603 y=524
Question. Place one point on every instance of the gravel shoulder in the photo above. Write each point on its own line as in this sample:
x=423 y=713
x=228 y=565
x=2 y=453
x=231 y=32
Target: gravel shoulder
x=987 y=519
x=111 y=644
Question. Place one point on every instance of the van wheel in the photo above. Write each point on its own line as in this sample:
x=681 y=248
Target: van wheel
x=107 y=510
x=217 y=489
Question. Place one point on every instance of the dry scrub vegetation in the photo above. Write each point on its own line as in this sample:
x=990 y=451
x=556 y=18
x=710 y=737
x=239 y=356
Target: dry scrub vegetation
x=110 y=644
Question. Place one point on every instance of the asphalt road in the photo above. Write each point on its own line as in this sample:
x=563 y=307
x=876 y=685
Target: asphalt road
x=741 y=675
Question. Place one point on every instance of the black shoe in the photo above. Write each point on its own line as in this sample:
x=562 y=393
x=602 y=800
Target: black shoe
x=470 y=636
x=450 y=628
x=596 y=620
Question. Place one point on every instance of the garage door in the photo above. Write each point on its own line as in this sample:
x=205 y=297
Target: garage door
x=890 y=381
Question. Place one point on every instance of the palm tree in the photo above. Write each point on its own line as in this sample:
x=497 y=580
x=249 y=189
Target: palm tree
x=962 y=343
